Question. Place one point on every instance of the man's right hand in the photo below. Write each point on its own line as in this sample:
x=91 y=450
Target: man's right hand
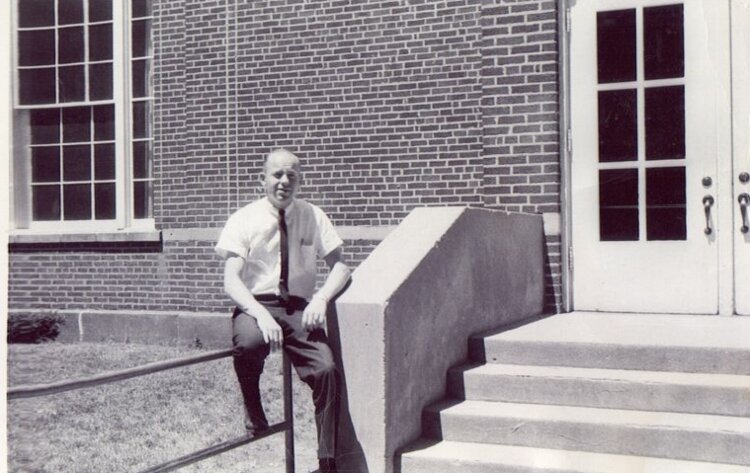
x=271 y=330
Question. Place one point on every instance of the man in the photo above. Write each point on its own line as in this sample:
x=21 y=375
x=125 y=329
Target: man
x=271 y=248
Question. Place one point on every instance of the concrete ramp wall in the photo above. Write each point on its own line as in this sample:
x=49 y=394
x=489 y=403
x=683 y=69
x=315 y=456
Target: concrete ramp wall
x=443 y=275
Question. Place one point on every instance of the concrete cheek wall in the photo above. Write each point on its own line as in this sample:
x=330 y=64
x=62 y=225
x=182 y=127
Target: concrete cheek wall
x=441 y=276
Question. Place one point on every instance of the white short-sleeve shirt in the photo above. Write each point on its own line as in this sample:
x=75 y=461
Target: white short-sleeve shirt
x=252 y=232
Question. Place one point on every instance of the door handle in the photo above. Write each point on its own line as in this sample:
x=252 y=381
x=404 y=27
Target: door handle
x=744 y=200
x=708 y=202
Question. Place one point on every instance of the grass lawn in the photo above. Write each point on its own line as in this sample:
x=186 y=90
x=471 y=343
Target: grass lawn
x=130 y=425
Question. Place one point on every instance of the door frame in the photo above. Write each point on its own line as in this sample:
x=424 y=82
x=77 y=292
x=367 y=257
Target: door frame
x=739 y=16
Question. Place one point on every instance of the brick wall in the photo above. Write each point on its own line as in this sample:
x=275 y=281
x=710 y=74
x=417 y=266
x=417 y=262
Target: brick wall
x=392 y=104
x=183 y=276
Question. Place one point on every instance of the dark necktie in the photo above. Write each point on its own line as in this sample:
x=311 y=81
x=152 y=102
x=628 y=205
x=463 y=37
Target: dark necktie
x=284 y=244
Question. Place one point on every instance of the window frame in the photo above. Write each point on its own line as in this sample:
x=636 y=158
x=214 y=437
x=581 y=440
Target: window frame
x=122 y=99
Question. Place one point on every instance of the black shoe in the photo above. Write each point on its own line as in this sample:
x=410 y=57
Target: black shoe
x=327 y=465
x=254 y=427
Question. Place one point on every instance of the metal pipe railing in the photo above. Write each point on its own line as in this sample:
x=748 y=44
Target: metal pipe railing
x=287 y=425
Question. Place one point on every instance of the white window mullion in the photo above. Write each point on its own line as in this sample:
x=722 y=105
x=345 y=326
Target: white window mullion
x=121 y=95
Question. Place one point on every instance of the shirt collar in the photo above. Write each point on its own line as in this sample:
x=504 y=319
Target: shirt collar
x=290 y=210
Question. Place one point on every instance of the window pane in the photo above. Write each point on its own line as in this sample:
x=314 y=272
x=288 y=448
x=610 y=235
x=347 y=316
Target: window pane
x=104 y=123
x=70 y=11
x=46 y=202
x=100 y=42
x=104 y=162
x=665 y=204
x=140 y=77
x=141 y=38
x=71 y=45
x=618 y=205
x=142 y=199
x=72 y=84
x=76 y=124
x=664 y=50
x=141 y=8
x=104 y=201
x=616 y=46
x=100 y=81
x=141 y=159
x=141 y=117
x=618 y=126
x=665 y=122
x=36 y=48
x=36 y=13
x=45 y=164
x=100 y=10
x=36 y=86
x=45 y=126
x=77 y=199
x=77 y=163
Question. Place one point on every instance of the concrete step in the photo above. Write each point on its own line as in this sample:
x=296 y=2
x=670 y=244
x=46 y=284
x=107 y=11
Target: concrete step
x=695 y=437
x=697 y=393
x=451 y=457
x=653 y=342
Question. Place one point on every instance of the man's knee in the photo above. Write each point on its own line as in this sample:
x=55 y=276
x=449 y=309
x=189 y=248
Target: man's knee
x=250 y=348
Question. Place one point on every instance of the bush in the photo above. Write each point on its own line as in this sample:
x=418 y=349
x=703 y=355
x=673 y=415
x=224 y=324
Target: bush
x=33 y=328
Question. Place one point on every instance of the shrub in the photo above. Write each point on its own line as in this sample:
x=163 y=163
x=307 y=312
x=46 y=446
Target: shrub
x=33 y=328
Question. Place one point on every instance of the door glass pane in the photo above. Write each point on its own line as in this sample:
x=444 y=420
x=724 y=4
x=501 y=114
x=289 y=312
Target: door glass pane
x=664 y=51
x=665 y=204
x=33 y=13
x=618 y=205
x=618 y=126
x=45 y=126
x=77 y=163
x=37 y=86
x=70 y=11
x=45 y=164
x=615 y=39
x=665 y=122
x=36 y=48
x=76 y=124
x=104 y=201
x=46 y=202
x=77 y=199
x=72 y=84
x=71 y=45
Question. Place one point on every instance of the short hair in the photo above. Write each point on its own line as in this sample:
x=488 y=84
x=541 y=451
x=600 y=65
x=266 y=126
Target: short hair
x=279 y=151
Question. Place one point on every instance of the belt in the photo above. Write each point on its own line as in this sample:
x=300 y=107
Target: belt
x=293 y=304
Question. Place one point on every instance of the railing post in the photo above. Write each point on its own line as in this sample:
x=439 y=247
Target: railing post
x=288 y=414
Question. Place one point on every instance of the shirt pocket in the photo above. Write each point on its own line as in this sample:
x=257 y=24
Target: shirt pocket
x=307 y=252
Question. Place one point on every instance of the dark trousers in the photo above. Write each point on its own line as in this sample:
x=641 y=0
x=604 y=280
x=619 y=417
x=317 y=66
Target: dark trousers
x=311 y=357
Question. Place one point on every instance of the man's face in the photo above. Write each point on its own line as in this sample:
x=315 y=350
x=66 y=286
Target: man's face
x=281 y=179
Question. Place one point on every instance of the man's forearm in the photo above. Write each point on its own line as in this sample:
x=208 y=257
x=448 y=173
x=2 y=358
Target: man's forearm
x=337 y=278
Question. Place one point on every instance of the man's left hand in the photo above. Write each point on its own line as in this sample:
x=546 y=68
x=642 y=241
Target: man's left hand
x=314 y=315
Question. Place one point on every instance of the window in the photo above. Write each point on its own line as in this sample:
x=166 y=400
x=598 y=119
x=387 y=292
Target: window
x=641 y=124
x=82 y=115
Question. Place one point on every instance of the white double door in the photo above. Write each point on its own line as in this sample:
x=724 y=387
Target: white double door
x=660 y=126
